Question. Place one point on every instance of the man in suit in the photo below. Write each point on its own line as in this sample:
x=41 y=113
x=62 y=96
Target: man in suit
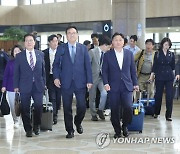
x=72 y=72
x=119 y=77
x=3 y=61
x=54 y=92
x=96 y=58
x=29 y=80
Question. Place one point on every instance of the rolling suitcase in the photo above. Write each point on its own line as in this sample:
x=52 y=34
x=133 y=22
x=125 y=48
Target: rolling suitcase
x=149 y=103
x=138 y=117
x=47 y=114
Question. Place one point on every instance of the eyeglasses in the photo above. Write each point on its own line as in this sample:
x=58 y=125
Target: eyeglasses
x=69 y=33
x=29 y=41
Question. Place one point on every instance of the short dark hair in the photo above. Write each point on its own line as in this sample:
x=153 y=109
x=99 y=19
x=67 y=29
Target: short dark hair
x=69 y=27
x=51 y=37
x=125 y=40
x=165 y=39
x=59 y=35
x=15 y=46
x=29 y=34
x=104 y=40
x=149 y=40
x=116 y=34
x=94 y=35
x=134 y=37
x=86 y=42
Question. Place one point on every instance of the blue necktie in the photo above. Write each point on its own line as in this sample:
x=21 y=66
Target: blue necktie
x=73 y=54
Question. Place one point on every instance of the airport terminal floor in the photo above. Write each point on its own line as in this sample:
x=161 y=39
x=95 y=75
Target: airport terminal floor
x=154 y=138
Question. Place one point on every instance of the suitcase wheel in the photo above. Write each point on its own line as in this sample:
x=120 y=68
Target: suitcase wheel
x=140 y=131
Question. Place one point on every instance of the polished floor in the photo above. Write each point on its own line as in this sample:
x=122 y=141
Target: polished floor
x=13 y=141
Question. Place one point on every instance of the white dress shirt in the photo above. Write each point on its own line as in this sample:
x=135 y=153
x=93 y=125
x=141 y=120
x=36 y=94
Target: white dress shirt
x=119 y=57
x=33 y=55
x=51 y=57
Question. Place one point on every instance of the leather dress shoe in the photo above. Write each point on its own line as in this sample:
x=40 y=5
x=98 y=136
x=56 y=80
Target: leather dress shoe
x=79 y=129
x=70 y=135
x=155 y=116
x=117 y=136
x=36 y=130
x=168 y=119
x=101 y=114
x=29 y=134
x=94 y=118
x=125 y=132
x=54 y=121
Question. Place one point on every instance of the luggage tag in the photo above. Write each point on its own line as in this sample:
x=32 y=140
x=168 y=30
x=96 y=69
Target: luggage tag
x=136 y=111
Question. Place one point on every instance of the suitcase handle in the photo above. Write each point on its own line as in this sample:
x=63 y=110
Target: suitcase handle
x=46 y=97
x=140 y=96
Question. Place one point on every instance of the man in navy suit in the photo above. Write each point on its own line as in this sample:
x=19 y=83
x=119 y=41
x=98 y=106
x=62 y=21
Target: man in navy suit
x=29 y=80
x=119 y=77
x=72 y=72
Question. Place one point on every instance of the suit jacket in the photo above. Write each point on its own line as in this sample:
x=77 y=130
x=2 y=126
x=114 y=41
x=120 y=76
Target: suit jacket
x=23 y=74
x=95 y=63
x=47 y=65
x=164 y=66
x=112 y=74
x=3 y=62
x=66 y=71
x=140 y=60
x=178 y=66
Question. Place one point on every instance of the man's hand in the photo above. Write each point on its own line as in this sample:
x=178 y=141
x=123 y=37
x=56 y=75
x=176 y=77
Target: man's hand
x=136 y=88
x=89 y=85
x=57 y=83
x=177 y=77
x=151 y=78
x=16 y=90
x=107 y=87
x=3 y=89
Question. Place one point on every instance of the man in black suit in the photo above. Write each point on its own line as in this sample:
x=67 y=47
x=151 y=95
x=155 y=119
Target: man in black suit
x=54 y=92
x=29 y=80
x=3 y=62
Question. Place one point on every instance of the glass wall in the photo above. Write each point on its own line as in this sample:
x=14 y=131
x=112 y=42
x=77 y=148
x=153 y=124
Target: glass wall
x=9 y=2
x=36 y=2
x=48 y=1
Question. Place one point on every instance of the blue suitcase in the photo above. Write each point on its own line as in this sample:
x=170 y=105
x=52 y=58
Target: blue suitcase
x=148 y=105
x=137 y=119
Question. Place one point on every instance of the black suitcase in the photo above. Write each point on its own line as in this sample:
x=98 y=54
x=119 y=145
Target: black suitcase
x=176 y=89
x=47 y=114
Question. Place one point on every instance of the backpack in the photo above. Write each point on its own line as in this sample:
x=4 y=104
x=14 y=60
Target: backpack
x=141 y=54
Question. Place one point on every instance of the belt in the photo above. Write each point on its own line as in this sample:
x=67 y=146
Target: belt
x=145 y=73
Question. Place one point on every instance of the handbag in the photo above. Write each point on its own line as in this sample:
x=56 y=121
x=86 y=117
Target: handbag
x=4 y=106
x=17 y=104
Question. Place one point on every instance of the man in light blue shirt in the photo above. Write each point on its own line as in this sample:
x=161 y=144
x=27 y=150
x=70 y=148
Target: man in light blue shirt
x=132 y=45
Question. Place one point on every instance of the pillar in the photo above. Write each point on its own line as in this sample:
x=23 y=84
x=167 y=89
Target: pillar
x=128 y=18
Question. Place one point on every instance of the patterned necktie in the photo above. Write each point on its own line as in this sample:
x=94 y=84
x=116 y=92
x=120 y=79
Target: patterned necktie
x=101 y=58
x=31 y=61
x=73 y=54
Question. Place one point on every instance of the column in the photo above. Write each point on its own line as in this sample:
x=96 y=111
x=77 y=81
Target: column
x=23 y=2
x=128 y=18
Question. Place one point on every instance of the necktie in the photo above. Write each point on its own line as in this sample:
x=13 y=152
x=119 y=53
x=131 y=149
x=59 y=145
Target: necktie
x=31 y=61
x=73 y=54
x=101 y=58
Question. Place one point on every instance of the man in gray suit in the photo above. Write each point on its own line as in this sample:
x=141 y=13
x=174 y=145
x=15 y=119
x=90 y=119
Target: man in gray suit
x=96 y=58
